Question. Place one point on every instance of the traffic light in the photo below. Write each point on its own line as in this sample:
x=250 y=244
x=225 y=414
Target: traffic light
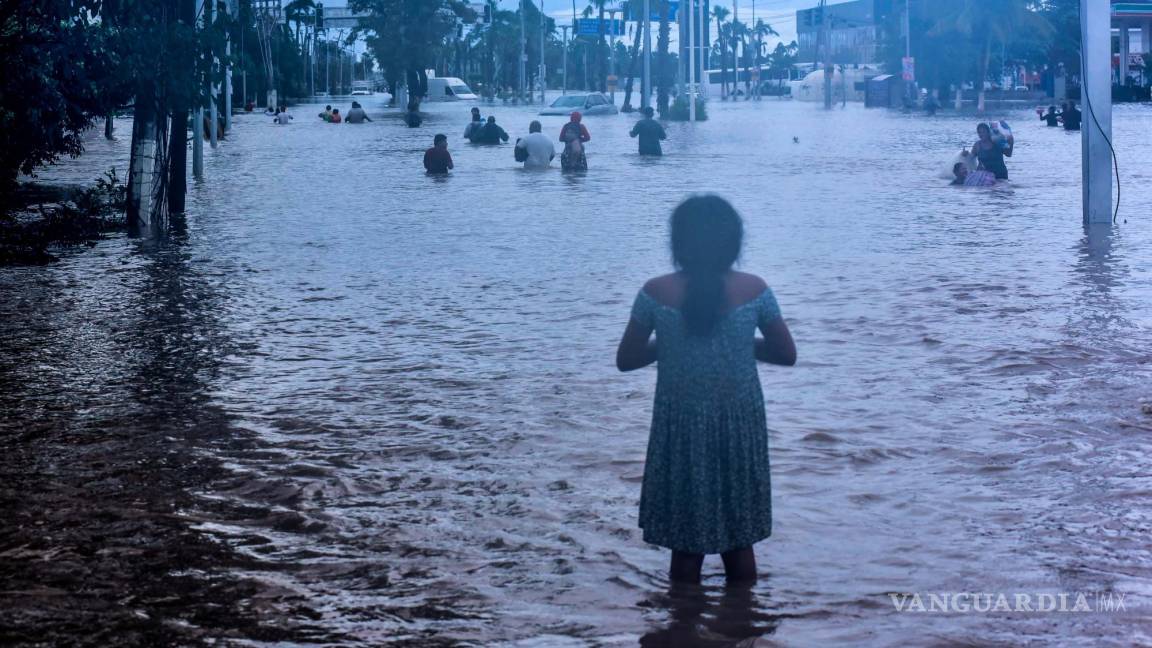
x=487 y=14
x=319 y=15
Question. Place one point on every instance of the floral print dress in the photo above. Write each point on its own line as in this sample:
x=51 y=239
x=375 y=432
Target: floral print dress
x=706 y=478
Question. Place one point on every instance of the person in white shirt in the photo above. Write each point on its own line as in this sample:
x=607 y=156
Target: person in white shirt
x=536 y=150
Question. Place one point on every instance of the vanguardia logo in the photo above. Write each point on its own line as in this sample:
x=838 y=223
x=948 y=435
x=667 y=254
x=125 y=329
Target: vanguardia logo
x=983 y=602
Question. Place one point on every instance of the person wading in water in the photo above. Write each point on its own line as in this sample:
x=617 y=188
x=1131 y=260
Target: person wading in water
x=574 y=134
x=706 y=483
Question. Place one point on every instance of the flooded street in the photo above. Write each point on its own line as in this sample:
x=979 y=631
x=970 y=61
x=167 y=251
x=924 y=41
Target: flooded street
x=402 y=394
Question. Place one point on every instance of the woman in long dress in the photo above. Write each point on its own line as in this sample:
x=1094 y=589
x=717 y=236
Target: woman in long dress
x=706 y=483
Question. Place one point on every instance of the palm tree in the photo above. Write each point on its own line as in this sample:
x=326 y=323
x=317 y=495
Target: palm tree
x=720 y=14
x=761 y=30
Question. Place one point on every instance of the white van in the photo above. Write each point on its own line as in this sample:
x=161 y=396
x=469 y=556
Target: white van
x=449 y=89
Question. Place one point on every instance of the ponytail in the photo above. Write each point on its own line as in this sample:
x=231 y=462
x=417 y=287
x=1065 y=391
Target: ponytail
x=707 y=234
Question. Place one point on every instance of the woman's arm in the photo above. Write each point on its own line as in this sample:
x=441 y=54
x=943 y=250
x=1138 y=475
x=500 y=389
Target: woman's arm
x=1011 y=145
x=776 y=347
x=636 y=349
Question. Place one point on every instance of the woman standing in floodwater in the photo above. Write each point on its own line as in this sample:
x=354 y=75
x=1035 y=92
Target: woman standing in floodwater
x=706 y=479
x=574 y=135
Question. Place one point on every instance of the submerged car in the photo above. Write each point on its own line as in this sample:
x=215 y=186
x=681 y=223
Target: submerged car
x=587 y=103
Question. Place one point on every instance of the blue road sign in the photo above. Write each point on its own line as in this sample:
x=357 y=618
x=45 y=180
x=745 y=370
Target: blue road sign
x=632 y=10
x=591 y=27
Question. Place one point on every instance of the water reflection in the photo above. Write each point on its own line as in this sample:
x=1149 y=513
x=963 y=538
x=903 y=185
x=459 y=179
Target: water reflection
x=707 y=617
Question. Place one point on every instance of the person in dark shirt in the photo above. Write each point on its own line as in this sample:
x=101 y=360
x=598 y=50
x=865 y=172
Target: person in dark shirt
x=1072 y=117
x=490 y=133
x=1052 y=118
x=437 y=160
x=650 y=132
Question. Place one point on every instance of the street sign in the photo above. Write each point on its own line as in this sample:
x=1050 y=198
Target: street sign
x=612 y=82
x=591 y=27
x=632 y=11
x=908 y=67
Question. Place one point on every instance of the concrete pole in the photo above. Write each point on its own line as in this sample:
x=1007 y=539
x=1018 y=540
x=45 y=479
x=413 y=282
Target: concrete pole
x=612 y=50
x=701 y=77
x=1125 y=47
x=646 y=85
x=198 y=144
x=197 y=122
x=1096 y=127
x=213 y=87
x=691 y=63
x=564 y=41
x=543 y=71
x=523 y=68
x=228 y=76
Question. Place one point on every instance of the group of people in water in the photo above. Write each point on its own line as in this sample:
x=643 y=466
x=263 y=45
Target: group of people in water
x=536 y=150
x=1069 y=116
x=357 y=115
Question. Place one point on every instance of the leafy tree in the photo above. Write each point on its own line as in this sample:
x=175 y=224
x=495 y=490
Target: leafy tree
x=407 y=36
x=62 y=69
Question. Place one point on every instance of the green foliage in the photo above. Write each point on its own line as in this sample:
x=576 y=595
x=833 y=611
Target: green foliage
x=406 y=36
x=959 y=42
x=61 y=70
x=91 y=213
x=678 y=111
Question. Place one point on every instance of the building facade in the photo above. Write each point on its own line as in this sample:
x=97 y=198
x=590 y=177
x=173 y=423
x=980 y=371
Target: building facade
x=855 y=30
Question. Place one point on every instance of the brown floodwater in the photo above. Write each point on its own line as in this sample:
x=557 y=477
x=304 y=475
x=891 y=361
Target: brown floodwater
x=355 y=405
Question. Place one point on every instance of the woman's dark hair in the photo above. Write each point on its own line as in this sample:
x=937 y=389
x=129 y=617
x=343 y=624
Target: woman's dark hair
x=983 y=126
x=707 y=235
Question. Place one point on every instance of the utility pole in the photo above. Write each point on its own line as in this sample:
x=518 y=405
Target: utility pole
x=564 y=41
x=825 y=40
x=701 y=76
x=646 y=84
x=1096 y=130
x=228 y=74
x=198 y=119
x=612 y=51
x=523 y=70
x=243 y=70
x=691 y=63
x=907 y=28
x=213 y=87
x=543 y=70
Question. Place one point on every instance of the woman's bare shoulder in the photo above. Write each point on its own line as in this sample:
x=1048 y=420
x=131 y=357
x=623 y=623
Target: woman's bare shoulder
x=666 y=289
x=747 y=285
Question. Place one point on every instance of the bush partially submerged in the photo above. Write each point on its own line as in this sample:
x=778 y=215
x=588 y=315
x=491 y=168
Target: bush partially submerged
x=90 y=213
x=678 y=111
